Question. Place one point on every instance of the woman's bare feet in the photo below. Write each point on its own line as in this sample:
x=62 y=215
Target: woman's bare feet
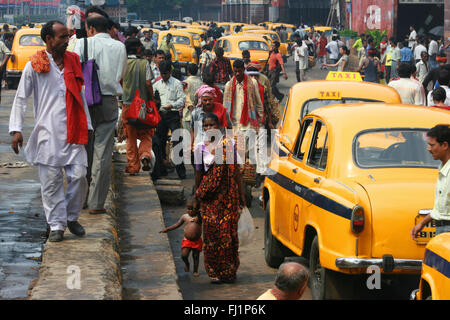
x=195 y=274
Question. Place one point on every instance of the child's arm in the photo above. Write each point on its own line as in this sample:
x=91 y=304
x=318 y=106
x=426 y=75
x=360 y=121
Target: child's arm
x=175 y=226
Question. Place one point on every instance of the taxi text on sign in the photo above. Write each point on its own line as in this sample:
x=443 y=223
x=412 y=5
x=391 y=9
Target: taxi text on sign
x=343 y=76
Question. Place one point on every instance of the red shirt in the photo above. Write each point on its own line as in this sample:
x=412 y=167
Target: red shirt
x=274 y=57
x=442 y=107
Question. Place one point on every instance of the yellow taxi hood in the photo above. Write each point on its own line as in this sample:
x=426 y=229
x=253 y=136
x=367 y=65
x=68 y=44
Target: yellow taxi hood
x=396 y=196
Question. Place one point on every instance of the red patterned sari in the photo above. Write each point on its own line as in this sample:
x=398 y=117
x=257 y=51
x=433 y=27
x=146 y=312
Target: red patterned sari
x=218 y=195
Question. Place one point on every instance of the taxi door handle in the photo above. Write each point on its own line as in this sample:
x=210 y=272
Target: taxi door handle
x=317 y=180
x=295 y=170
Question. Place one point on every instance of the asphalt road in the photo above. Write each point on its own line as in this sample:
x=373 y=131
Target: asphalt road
x=254 y=277
x=22 y=219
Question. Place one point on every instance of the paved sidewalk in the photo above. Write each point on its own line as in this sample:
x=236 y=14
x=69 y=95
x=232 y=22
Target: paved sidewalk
x=147 y=263
x=141 y=256
x=83 y=268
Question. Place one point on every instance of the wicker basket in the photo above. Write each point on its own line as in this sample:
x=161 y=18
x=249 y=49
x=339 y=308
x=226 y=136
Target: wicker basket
x=311 y=61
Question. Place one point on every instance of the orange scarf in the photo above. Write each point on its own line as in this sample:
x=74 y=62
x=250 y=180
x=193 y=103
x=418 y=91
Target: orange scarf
x=77 y=128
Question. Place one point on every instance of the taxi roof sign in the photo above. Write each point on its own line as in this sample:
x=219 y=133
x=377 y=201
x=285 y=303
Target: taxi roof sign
x=344 y=76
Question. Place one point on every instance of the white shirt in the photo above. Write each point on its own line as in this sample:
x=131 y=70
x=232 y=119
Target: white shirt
x=418 y=50
x=422 y=70
x=409 y=90
x=441 y=209
x=111 y=58
x=447 y=99
x=412 y=39
x=433 y=48
x=170 y=92
x=334 y=48
x=238 y=104
x=302 y=53
x=47 y=144
x=155 y=70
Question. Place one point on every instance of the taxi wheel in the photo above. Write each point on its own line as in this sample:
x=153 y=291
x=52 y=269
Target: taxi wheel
x=273 y=253
x=321 y=280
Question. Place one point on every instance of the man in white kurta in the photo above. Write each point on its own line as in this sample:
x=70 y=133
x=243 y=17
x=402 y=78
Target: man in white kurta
x=47 y=147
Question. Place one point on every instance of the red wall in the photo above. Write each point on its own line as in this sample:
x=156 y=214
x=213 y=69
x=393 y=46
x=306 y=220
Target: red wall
x=374 y=14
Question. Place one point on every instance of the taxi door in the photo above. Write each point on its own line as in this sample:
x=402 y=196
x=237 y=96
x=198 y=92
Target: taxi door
x=292 y=219
x=312 y=157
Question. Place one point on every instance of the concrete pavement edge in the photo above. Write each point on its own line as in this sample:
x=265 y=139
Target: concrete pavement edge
x=84 y=268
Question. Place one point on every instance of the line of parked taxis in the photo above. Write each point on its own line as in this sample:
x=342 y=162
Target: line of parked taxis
x=186 y=38
x=350 y=176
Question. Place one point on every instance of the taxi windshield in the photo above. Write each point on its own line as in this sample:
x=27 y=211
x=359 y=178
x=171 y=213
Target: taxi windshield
x=179 y=40
x=253 y=45
x=313 y=104
x=31 y=40
x=393 y=148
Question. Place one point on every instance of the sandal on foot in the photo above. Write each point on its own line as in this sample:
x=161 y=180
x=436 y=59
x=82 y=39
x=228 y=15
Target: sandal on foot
x=215 y=280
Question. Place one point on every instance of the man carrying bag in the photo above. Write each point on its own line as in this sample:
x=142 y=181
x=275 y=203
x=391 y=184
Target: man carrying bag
x=111 y=57
x=137 y=93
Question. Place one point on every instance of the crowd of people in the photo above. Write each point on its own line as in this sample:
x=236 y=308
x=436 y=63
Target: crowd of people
x=215 y=95
x=72 y=136
x=415 y=66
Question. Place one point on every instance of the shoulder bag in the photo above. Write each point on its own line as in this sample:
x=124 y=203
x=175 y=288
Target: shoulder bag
x=142 y=114
x=91 y=82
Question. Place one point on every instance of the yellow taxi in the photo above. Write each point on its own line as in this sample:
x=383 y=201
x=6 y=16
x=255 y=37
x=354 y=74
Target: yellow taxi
x=252 y=27
x=226 y=26
x=183 y=43
x=155 y=31
x=274 y=37
x=328 y=30
x=234 y=45
x=290 y=28
x=350 y=176
x=196 y=33
x=26 y=43
x=205 y=28
x=435 y=277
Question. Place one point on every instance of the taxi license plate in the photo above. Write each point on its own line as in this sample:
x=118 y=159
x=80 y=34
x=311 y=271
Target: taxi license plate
x=427 y=232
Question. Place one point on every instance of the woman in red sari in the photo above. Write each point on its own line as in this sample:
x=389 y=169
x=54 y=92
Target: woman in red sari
x=220 y=196
x=322 y=51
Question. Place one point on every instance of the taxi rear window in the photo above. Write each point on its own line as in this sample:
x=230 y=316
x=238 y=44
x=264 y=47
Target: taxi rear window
x=253 y=45
x=313 y=104
x=179 y=40
x=392 y=148
x=31 y=40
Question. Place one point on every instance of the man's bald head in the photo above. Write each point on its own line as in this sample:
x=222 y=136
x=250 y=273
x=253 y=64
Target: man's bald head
x=291 y=277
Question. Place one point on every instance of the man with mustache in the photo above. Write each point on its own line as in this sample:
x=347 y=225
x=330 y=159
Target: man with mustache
x=62 y=119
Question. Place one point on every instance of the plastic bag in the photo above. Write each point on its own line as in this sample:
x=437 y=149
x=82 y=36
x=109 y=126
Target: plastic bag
x=246 y=228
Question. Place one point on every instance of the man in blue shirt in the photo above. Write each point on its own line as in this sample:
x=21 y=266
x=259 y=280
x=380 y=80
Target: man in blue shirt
x=406 y=53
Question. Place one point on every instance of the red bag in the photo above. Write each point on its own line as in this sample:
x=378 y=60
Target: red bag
x=142 y=114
